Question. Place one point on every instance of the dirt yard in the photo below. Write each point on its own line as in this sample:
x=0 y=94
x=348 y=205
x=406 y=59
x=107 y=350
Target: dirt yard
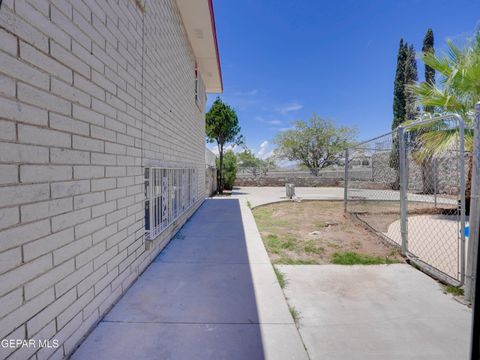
x=318 y=232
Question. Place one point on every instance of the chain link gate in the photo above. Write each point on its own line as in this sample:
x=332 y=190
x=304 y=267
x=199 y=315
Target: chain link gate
x=412 y=197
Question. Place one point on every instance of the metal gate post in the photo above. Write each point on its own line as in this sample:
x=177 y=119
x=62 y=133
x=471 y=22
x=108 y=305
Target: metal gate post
x=345 y=182
x=461 y=126
x=435 y=181
x=474 y=222
x=403 y=189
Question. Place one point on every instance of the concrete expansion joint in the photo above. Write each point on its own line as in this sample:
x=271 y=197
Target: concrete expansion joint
x=196 y=322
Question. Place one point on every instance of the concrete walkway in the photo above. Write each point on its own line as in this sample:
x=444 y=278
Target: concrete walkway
x=211 y=294
x=376 y=312
x=268 y=194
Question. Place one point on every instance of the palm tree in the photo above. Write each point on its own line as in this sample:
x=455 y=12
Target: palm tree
x=457 y=91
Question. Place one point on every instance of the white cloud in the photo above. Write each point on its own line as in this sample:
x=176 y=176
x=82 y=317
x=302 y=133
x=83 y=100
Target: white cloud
x=274 y=122
x=264 y=150
x=290 y=107
x=271 y=122
x=235 y=149
x=286 y=128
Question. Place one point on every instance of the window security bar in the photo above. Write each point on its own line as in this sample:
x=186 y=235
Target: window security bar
x=169 y=192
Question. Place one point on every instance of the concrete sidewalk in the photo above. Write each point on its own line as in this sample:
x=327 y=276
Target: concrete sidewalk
x=211 y=294
x=376 y=312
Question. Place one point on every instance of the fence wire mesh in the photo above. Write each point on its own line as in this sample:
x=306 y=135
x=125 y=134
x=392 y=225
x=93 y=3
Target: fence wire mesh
x=414 y=194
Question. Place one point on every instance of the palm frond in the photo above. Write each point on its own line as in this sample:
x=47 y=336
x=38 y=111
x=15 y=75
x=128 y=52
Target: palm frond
x=431 y=95
x=441 y=65
x=436 y=142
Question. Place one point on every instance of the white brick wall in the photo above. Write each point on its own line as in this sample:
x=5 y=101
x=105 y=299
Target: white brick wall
x=79 y=121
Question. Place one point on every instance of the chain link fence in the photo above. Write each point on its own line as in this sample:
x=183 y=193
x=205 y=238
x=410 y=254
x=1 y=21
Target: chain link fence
x=415 y=194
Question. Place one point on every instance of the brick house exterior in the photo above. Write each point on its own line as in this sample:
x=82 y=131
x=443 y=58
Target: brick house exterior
x=91 y=93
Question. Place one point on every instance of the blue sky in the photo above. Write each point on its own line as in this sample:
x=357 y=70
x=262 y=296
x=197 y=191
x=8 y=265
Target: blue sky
x=282 y=60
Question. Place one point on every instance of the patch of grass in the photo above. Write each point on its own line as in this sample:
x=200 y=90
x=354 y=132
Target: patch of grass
x=311 y=248
x=273 y=243
x=249 y=204
x=287 y=229
x=353 y=258
x=453 y=290
x=288 y=244
x=295 y=314
x=285 y=260
x=265 y=217
x=280 y=277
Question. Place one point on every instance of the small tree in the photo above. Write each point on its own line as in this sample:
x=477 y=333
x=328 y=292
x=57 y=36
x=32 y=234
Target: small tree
x=404 y=103
x=267 y=164
x=316 y=143
x=249 y=162
x=230 y=168
x=399 y=100
x=411 y=77
x=222 y=127
x=428 y=48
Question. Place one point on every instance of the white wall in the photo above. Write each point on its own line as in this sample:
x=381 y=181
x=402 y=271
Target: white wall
x=90 y=91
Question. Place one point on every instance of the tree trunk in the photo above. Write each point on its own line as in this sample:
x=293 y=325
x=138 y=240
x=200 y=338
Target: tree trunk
x=428 y=175
x=220 y=172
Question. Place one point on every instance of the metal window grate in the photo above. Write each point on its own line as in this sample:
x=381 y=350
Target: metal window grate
x=169 y=193
x=200 y=94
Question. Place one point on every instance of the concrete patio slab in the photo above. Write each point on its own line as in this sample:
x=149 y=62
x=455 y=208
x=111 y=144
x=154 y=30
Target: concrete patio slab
x=269 y=194
x=211 y=294
x=376 y=312
x=434 y=239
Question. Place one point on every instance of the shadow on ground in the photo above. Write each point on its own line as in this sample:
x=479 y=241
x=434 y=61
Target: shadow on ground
x=195 y=301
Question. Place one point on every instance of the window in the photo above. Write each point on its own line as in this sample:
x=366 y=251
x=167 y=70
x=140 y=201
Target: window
x=200 y=94
x=168 y=194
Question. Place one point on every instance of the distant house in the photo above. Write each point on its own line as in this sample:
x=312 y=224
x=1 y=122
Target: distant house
x=102 y=138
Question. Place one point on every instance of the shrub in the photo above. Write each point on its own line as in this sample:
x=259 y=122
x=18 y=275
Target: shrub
x=229 y=169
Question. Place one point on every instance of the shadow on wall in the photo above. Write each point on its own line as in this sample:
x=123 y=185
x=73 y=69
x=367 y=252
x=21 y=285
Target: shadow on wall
x=195 y=301
x=210 y=180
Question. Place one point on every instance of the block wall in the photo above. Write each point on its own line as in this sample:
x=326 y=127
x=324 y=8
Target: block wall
x=91 y=91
